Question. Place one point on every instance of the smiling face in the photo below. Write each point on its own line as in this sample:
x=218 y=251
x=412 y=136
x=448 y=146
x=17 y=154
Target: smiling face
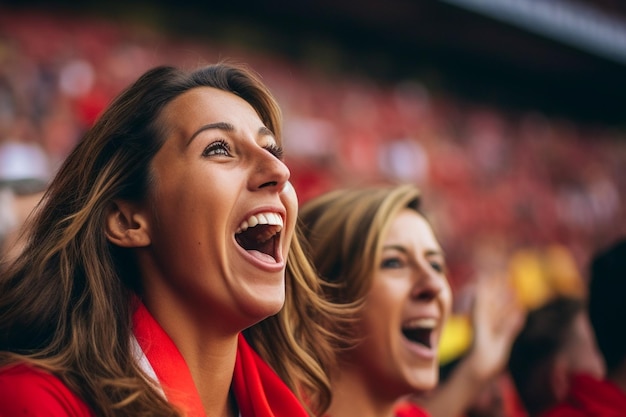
x=405 y=309
x=220 y=214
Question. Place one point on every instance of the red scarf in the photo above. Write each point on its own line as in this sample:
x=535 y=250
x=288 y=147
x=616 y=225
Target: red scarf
x=258 y=389
x=590 y=397
x=408 y=409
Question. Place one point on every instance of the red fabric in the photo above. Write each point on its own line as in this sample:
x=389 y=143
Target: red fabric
x=512 y=403
x=408 y=409
x=167 y=362
x=29 y=392
x=589 y=397
x=258 y=390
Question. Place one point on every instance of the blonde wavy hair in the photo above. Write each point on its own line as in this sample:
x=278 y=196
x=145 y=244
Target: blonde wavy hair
x=65 y=302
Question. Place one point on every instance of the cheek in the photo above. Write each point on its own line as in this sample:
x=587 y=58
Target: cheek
x=290 y=201
x=180 y=208
x=188 y=213
x=373 y=328
x=384 y=305
x=446 y=298
x=289 y=198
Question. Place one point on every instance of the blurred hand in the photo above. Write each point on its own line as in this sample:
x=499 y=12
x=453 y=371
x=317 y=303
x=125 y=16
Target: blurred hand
x=497 y=318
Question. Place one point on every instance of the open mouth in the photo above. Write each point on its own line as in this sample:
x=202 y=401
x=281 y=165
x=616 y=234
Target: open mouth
x=420 y=331
x=260 y=234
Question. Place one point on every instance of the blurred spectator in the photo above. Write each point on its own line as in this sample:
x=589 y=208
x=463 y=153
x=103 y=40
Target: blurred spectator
x=606 y=304
x=493 y=399
x=404 y=159
x=490 y=171
x=24 y=173
x=378 y=257
x=589 y=396
x=542 y=273
x=555 y=345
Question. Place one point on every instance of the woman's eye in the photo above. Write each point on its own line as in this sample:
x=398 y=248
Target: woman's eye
x=438 y=266
x=391 y=263
x=219 y=147
x=275 y=150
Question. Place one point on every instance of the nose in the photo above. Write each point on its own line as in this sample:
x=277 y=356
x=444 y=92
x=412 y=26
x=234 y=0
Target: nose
x=430 y=285
x=269 y=172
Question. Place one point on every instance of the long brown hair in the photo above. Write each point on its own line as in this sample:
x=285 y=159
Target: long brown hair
x=65 y=302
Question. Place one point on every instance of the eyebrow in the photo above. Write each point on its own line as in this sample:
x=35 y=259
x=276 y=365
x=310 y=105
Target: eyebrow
x=402 y=249
x=227 y=127
x=264 y=131
x=218 y=125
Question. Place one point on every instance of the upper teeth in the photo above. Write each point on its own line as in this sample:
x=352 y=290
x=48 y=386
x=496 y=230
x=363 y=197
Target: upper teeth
x=261 y=218
x=423 y=323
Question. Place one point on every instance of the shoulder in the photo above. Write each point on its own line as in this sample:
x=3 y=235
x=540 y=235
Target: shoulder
x=27 y=391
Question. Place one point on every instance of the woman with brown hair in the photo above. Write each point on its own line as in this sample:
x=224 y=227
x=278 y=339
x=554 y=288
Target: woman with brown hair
x=160 y=276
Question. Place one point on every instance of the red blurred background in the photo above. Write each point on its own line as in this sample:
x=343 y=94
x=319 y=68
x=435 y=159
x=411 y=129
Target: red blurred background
x=513 y=129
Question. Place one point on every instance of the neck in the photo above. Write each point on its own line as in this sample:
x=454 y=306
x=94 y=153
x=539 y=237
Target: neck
x=211 y=366
x=209 y=354
x=354 y=395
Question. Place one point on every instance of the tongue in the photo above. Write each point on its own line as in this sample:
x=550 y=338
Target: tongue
x=262 y=256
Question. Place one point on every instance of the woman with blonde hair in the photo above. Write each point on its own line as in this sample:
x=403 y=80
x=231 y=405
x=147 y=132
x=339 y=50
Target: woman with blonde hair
x=160 y=276
x=381 y=260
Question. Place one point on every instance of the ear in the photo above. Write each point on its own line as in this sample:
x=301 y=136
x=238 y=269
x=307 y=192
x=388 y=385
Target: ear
x=127 y=225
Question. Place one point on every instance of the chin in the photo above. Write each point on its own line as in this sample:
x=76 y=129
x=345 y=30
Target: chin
x=424 y=383
x=264 y=307
x=426 y=387
x=271 y=308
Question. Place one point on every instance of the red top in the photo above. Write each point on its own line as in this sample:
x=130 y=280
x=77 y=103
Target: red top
x=590 y=397
x=28 y=392
x=409 y=409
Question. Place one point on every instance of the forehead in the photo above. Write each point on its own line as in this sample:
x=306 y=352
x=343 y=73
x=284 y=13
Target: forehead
x=410 y=227
x=204 y=105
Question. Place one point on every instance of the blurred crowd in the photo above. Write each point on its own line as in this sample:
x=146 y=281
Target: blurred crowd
x=506 y=191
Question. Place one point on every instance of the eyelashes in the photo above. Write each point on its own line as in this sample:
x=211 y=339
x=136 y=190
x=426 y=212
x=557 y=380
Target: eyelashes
x=221 y=147
x=391 y=263
x=397 y=263
x=439 y=267
x=276 y=150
